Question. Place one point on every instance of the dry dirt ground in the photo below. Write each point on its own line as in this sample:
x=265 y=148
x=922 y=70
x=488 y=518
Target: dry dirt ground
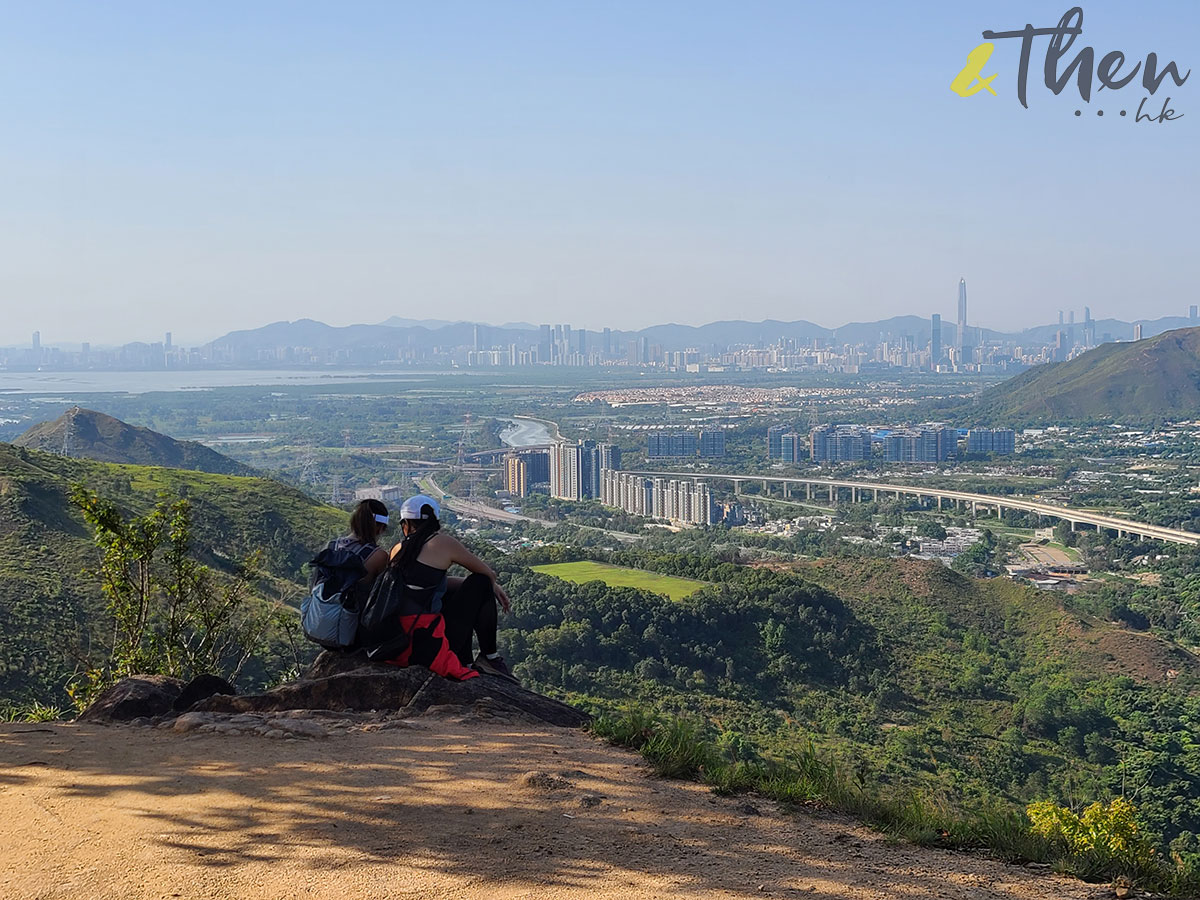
x=439 y=807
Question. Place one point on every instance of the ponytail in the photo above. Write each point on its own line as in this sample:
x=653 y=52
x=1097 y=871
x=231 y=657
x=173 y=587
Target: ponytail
x=414 y=541
x=363 y=524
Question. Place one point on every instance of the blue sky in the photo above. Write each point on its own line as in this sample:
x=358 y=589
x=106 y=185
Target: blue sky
x=204 y=167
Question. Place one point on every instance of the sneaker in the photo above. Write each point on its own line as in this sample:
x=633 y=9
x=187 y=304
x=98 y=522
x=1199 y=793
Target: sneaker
x=497 y=667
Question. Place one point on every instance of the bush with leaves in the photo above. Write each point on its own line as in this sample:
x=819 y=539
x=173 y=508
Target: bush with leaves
x=170 y=614
x=1103 y=839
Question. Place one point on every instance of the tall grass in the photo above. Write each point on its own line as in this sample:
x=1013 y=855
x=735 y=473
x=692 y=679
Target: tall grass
x=31 y=712
x=685 y=748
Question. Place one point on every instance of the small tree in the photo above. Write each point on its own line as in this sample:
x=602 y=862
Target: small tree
x=931 y=529
x=171 y=615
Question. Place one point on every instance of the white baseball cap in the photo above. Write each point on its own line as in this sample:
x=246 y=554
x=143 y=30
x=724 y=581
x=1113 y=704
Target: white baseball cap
x=411 y=509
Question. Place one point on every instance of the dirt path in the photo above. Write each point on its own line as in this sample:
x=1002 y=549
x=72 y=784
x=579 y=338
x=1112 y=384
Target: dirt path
x=439 y=808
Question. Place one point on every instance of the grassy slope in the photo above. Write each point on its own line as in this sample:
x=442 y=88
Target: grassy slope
x=619 y=576
x=49 y=610
x=1131 y=382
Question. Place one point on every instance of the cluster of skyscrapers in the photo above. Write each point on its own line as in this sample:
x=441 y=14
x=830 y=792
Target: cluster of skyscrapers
x=526 y=471
x=708 y=443
x=590 y=470
x=926 y=443
x=998 y=441
x=929 y=443
x=575 y=468
x=676 y=499
x=839 y=443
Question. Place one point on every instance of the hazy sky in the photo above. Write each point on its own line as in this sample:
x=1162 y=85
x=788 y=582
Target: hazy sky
x=200 y=167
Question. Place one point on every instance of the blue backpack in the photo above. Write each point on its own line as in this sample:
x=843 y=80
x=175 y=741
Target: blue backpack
x=329 y=614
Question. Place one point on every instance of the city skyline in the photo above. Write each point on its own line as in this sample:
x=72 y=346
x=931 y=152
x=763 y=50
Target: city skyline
x=673 y=163
x=895 y=345
x=168 y=339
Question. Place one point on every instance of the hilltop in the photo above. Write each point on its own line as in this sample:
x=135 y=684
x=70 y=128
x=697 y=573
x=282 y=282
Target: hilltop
x=1139 y=382
x=51 y=613
x=94 y=435
x=446 y=805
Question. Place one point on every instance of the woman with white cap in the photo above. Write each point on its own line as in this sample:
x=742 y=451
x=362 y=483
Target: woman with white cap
x=467 y=605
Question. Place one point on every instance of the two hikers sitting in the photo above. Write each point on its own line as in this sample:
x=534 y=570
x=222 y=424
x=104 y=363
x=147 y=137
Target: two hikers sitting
x=406 y=610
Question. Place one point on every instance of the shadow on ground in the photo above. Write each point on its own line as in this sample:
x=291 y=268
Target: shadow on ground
x=454 y=802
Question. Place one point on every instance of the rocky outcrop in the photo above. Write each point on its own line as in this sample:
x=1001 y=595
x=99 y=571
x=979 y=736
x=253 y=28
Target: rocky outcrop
x=200 y=688
x=136 y=697
x=342 y=686
x=351 y=682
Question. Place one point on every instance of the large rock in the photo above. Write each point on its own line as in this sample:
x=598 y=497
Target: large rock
x=199 y=688
x=352 y=682
x=139 y=696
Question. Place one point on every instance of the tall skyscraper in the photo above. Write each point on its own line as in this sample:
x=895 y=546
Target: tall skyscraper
x=610 y=456
x=791 y=447
x=962 y=316
x=589 y=470
x=1192 y=314
x=566 y=471
x=991 y=440
x=516 y=476
x=1137 y=331
x=37 y=341
x=775 y=435
x=711 y=443
x=935 y=342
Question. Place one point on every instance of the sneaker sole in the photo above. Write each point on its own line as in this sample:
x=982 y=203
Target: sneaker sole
x=495 y=673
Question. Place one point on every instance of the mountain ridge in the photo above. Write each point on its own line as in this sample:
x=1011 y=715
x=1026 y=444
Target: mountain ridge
x=398 y=333
x=104 y=438
x=1140 y=382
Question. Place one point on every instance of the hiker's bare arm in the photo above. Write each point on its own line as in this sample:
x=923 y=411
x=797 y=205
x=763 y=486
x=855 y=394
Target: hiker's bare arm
x=376 y=563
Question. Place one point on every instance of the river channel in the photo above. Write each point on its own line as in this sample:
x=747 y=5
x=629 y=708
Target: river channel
x=525 y=432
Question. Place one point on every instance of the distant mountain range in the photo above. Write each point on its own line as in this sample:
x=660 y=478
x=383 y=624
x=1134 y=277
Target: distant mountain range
x=1139 y=382
x=398 y=333
x=93 y=435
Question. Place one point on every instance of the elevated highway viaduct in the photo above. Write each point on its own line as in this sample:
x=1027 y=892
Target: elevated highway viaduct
x=836 y=488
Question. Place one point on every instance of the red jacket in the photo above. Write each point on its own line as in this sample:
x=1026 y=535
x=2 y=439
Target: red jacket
x=428 y=647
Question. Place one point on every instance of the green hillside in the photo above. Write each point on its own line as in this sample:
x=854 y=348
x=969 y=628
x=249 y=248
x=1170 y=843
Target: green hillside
x=970 y=691
x=1138 y=382
x=94 y=435
x=52 y=617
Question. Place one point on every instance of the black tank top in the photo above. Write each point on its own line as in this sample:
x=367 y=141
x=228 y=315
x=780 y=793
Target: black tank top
x=424 y=587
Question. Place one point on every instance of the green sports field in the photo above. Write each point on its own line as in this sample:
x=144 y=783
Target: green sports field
x=618 y=576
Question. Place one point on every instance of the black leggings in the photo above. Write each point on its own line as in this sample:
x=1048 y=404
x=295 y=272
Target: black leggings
x=469 y=607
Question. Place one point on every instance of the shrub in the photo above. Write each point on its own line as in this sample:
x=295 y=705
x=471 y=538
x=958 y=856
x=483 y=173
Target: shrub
x=1110 y=831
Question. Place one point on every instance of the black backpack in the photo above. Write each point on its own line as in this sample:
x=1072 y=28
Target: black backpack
x=391 y=597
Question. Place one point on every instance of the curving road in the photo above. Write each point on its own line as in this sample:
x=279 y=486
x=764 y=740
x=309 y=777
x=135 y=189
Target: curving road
x=483 y=511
